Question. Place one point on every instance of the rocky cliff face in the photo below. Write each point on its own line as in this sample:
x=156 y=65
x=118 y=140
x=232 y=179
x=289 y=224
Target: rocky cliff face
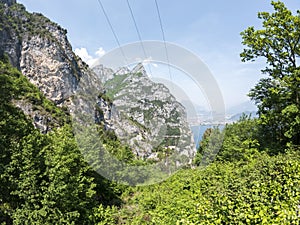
x=9 y=38
x=8 y=2
x=144 y=114
x=40 y=50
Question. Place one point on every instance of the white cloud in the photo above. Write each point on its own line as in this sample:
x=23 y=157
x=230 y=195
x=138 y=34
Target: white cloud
x=86 y=57
x=83 y=54
x=149 y=61
x=100 y=52
x=155 y=65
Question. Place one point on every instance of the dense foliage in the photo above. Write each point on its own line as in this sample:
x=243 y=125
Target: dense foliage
x=44 y=178
x=16 y=19
x=264 y=190
x=254 y=179
x=278 y=95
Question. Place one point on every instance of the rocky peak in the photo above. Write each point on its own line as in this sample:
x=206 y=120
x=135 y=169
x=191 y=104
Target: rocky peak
x=8 y=2
x=40 y=49
x=103 y=73
x=139 y=68
x=146 y=115
x=122 y=71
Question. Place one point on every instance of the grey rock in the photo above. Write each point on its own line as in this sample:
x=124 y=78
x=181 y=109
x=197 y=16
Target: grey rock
x=8 y=2
x=44 y=55
x=104 y=74
x=145 y=115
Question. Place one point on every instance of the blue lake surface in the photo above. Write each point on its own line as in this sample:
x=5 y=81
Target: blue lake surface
x=198 y=132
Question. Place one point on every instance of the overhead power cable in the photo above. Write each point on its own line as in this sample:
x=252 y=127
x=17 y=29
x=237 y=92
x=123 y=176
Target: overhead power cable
x=136 y=28
x=164 y=38
x=138 y=33
x=112 y=29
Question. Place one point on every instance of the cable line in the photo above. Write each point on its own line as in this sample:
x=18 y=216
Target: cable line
x=164 y=38
x=138 y=33
x=112 y=29
x=136 y=28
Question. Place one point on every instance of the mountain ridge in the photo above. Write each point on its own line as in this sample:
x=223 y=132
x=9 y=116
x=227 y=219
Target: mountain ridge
x=40 y=49
x=8 y=2
x=151 y=112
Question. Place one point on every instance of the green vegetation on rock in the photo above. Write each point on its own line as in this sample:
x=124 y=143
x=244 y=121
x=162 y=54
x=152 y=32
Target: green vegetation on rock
x=254 y=179
x=44 y=178
x=115 y=85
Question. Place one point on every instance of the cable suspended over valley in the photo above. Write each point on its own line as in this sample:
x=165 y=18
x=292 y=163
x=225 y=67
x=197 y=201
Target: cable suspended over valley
x=138 y=33
x=112 y=29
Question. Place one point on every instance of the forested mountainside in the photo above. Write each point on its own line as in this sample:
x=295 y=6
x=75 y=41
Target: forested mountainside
x=44 y=178
x=40 y=50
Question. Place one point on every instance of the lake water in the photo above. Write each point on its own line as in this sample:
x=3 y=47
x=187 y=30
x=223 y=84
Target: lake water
x=198 y=132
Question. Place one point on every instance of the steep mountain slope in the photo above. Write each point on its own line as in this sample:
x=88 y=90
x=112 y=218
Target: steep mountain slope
x=35 y=185
x=40 y=50
x=145 y=114
x=149 y=121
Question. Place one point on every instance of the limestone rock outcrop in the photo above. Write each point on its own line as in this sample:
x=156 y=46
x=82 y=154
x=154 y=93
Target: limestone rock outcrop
x=142 y=113
x=145 y=114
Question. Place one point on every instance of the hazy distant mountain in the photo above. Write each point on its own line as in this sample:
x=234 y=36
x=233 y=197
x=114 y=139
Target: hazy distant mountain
x=246 y=107
x=237 y=116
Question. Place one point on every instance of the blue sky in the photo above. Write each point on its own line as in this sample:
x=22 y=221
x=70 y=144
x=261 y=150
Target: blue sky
x=210 y=29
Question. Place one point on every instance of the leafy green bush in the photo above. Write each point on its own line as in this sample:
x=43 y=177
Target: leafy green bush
x=43 y=178
x=264 y=191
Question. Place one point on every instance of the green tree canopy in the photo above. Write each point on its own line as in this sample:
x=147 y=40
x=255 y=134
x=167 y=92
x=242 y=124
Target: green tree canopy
x=277 y=95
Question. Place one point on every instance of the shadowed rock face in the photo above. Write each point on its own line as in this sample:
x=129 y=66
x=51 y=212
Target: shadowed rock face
x=144 y=114
x=8 y=2
x=40 y=50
